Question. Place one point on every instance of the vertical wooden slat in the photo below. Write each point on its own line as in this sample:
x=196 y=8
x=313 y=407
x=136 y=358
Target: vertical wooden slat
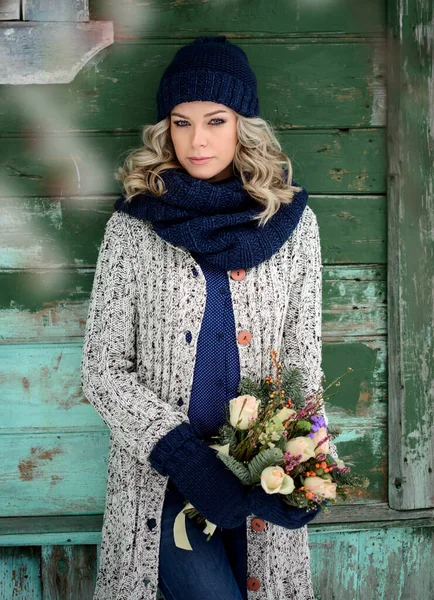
x=68 y=572
x=411 y=253
x=56 y=10
x=19 y=573
x=9 y=10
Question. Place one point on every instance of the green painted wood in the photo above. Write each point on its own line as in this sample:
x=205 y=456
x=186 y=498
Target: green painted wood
x=53 y=304
x=56 y=473
x=41 y=382
x=384 y=563
x=242 y=18
x=41 y=389
x=356 y=564
x=86 y=529
x=325 y=162
x=53 y=473
x=411 y=255
x=19 y=573
x=116 y=89
x=67 y=232
x=68 y=571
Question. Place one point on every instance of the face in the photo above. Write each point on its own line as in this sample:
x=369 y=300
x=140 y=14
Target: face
x=204 y=129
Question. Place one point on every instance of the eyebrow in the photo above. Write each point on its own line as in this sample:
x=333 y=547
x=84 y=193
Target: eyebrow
x=175 y=114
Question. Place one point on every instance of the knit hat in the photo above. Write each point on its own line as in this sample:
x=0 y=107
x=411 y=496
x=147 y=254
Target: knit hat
x=213 y=69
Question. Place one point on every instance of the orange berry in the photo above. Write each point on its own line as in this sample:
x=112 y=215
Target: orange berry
x=323 y=464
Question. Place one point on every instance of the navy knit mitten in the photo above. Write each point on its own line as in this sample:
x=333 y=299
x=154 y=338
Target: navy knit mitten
x=200 y=476
x=271 y=507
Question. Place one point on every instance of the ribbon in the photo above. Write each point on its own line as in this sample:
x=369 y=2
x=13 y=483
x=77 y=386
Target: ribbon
x=179 y=528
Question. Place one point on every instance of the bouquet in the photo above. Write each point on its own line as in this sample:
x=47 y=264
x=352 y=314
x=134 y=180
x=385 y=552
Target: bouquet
x=276 y=438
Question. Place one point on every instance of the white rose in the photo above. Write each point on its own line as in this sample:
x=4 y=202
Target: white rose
x=274 y=480
x=243 y=414
x=317 y=437
x=301 y=445
x=321 y=487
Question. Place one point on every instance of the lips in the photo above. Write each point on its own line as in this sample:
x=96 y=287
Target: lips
x=199 y=161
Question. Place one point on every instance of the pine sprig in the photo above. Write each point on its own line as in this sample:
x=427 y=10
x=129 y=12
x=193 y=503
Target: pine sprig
x=292 y=383
x=237 y=468
x=349 y=479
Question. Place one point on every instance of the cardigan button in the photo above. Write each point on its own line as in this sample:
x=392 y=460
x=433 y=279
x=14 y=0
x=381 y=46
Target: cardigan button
x=257 y=524
x=244 y=337
x=253 y=583
x=238 y=274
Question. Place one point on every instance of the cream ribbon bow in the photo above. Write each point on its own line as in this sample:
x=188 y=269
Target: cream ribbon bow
x=179 y=530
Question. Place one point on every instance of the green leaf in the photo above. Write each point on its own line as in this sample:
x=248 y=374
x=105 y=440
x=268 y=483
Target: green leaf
x=304 y=425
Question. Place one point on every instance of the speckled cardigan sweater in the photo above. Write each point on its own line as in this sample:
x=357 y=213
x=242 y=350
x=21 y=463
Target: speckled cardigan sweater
x=137 y=364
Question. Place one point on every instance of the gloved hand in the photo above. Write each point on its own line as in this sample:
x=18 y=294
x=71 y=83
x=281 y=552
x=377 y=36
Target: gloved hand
x=272 y=508
x=200 y=476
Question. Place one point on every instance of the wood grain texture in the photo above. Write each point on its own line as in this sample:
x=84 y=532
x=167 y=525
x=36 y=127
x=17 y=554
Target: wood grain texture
x=242 y=18
x=46 y=52
x=55 y=10
x=411 y=255
x=9 y=10
x=324 y=162
x=301 y=84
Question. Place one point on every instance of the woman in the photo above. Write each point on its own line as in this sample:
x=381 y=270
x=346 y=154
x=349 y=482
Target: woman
x=205 y=266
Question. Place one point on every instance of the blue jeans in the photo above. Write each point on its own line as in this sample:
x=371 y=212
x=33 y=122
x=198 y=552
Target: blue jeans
x=215 y=570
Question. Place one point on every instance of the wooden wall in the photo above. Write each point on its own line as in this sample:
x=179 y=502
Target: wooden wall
x=322 y=82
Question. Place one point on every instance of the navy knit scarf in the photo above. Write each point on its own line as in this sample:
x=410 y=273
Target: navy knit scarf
x=213 y=220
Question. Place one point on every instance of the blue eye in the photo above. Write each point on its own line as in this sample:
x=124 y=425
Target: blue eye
x=177 y=123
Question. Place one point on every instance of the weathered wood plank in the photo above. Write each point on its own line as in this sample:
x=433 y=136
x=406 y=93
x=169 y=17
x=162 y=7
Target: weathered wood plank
x=116 y=90
x=57 y=10
x=86 y=529
x=19 y=573
x=57 y=473
x=67 y=232
x=244 y=19
x=53 y=304
x=9 y=10
x=43 y=52
x=384 y=563
x=41 y=381
x=53 y=473
x=68 y=571
x=411 y=254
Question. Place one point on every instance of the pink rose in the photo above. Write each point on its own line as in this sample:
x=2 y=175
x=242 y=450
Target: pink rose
x=301 y=445
x=240 y=416
x=324 y=488
x=317 y=437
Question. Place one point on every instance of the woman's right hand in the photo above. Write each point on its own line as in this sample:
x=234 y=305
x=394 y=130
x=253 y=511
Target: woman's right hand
x=272 y=508
x=214 y=491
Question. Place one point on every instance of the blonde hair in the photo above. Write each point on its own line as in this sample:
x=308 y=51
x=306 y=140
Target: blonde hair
x=258 y=161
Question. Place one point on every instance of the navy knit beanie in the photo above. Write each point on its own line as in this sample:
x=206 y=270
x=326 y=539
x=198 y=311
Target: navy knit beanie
x=213 y=69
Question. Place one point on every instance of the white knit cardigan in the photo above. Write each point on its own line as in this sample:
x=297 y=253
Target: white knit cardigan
x=136 y=366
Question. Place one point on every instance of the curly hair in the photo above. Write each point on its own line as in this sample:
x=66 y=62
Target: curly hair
x=265 y=171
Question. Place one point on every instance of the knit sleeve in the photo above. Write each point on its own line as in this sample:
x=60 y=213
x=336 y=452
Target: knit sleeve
x=302 y=337
x=135 y=415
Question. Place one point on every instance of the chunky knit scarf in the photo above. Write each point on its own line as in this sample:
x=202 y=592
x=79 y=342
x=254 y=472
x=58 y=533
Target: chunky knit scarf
x=213 y=220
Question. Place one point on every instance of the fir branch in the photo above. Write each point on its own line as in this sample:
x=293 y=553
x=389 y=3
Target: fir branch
x=237 y=468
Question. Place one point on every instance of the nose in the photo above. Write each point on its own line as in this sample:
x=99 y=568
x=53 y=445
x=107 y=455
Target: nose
x=198 y=137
